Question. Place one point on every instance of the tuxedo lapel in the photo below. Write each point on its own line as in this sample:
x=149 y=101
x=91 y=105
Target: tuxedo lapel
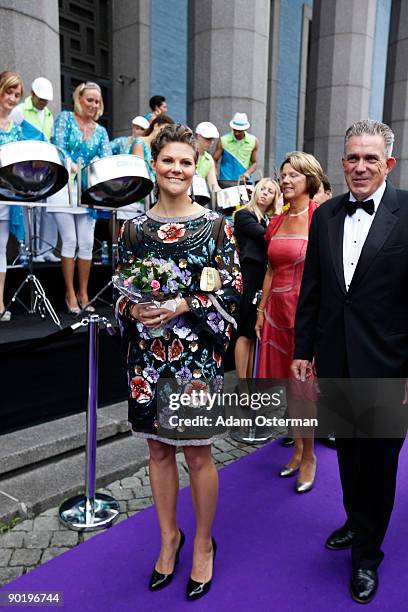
x=380 y=229
x=336 y=232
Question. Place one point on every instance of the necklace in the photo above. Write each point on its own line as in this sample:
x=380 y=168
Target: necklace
x=299 y=213
x=4 y=123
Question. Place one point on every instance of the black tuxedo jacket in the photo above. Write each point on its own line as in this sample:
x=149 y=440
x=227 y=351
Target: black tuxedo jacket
x=365 y=328
x=250 y=235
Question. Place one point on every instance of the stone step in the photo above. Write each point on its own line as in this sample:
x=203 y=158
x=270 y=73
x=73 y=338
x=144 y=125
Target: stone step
x=23 y=448
x=32 y=491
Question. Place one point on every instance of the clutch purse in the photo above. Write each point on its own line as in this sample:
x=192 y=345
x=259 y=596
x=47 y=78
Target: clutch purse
x=210 y=280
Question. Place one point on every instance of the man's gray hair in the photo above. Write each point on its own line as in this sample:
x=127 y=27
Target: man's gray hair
x=373 y=128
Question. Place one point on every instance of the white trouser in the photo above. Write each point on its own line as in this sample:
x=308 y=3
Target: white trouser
x=75 y=231
x=4 y=234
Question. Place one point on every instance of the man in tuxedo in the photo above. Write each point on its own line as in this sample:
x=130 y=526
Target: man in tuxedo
x=352 y=319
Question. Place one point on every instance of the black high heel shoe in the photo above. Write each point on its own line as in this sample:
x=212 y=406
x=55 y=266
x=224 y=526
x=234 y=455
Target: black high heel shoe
x=195 y=589
x=159 y=581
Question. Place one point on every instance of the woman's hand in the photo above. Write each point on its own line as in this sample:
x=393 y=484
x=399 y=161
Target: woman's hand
x=153 y=317
x=259 y=323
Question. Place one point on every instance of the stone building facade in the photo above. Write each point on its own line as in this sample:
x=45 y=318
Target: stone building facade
x=302 y=70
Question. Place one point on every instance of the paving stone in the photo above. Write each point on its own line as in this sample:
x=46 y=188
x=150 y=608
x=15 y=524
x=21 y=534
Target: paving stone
x=238 y=453
x=123 y=505
x=5 y=557
x=223 y=457
x=46 y=523
x=10 y=573
x=140 y=492
x=11 y=539
x=121 y=518
x=131 y=482
x=139 y=504
x=91 y=534
x=23 y=556
x=64 y=538
x=227 y=463
x=223 y=445
x=26 y=525
x=51 y=553
x=122 y=494
x=50 y=512
x=37 y=539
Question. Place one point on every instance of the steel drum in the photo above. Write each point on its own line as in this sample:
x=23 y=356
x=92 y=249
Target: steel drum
x=114 y=181
x=31 y=170
x=231 y=197
x=200 y=190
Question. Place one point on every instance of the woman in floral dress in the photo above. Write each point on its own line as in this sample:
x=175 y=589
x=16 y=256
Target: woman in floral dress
x=185 y=346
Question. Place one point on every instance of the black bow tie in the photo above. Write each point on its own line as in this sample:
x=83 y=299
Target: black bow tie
x=368 y=206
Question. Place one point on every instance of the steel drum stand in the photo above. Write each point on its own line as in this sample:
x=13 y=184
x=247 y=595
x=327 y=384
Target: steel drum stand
x=93 y=510
x=39 y=303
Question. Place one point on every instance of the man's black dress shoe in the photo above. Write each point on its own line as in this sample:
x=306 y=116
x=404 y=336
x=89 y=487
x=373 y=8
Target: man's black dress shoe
x=195 y=589
x=340 y=539
x=363 y=585
x=157 y=580
x=287 y=442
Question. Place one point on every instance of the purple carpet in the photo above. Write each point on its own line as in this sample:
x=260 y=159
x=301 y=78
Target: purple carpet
x=271 y=553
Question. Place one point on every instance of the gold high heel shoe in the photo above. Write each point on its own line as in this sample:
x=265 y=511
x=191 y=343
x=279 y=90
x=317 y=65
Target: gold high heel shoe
x=304 y=487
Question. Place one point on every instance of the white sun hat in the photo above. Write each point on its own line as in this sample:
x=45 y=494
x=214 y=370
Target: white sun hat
x=206 y=129
x=141 y=122
x=240 y=122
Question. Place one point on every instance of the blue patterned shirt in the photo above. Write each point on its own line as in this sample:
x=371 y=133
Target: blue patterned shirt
x=16 y=212
x=68 y=136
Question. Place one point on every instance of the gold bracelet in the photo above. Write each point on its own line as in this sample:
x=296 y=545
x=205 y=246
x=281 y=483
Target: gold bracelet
x=261 y=309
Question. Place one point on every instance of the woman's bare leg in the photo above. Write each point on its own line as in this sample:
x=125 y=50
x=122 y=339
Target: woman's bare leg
x=84 y=270
x=68 y=268
x=165 y=485
x=204 y=491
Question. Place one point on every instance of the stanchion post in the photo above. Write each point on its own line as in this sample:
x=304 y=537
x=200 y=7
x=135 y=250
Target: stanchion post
x=93 y=510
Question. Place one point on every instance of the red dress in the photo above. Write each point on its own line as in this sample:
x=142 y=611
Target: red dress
x=286 y=257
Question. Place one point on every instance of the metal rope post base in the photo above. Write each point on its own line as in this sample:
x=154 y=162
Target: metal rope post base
x=93 y=510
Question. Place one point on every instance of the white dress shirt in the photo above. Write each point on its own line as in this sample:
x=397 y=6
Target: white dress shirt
x=356 y=228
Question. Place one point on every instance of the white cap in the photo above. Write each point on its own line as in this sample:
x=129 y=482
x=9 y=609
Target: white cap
x=141 y=122
x=42 y=88
x=207 y=130
x=240 y=122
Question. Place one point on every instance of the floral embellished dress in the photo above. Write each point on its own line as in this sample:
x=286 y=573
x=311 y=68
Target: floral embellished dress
x=192 y=345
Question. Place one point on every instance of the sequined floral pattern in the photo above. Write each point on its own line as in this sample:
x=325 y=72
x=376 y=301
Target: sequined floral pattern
x=171 y=232
x=192 y=346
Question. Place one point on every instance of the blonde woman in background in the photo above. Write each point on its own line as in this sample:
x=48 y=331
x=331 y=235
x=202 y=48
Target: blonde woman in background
x=79 y=135
x=250 y=223
x=11 y=217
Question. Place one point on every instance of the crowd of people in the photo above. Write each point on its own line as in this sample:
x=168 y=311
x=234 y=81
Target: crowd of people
x=323 y=265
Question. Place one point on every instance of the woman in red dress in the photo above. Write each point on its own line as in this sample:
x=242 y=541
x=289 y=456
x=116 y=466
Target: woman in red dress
x=287 y=236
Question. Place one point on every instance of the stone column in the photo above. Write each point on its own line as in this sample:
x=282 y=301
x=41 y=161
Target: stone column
x=270 y=152
x=228 y=63
x=29 y=42
x=130 y=62
x=338 y=91
x=396 y=90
